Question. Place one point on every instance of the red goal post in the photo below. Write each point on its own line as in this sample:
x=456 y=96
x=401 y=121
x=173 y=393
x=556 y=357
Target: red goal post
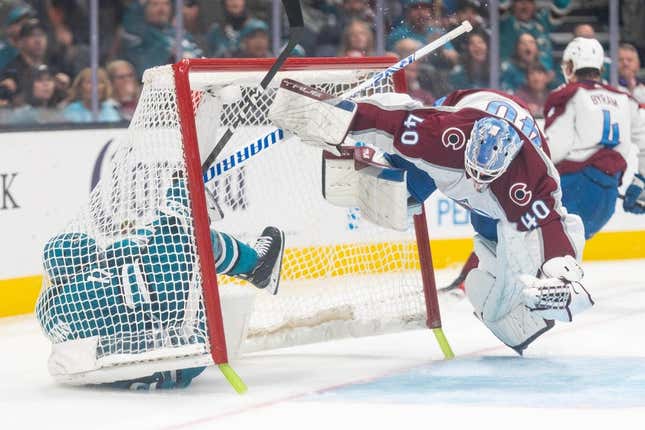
x=182 y=71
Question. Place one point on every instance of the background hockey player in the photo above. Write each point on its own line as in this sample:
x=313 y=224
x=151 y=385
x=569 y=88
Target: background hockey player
x=136 y=283
x=591 y=128
x=485 y=164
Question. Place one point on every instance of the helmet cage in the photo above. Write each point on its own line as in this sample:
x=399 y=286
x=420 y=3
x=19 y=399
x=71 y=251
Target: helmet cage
x=481 y=174
x=491 y=148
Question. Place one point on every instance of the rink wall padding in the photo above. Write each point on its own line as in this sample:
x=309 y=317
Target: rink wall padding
x=18 y=296
x=46 y=176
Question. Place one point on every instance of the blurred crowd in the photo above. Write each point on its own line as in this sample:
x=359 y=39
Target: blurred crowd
x=45 y=47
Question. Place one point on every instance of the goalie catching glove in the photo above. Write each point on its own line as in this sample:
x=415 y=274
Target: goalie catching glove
x=314 y=116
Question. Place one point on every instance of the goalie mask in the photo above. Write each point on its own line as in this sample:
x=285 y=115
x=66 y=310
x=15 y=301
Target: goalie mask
x=493 y=144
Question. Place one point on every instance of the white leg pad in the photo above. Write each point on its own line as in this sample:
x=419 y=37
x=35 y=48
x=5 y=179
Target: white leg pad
x=478 y=285
x=497 y=289
x=378 y=190
x=340 y=179
x=517 y=328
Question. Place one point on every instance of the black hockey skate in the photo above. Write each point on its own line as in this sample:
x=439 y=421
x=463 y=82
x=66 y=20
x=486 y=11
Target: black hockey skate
x=270 y=249
x=457 y=288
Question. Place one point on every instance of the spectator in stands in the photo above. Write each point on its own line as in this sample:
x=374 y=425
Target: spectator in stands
x=514 y=71
x=535 y=91
x=69 y=37
x=358 y=40
x=405 y=47
x=125 y=87
x=41 y=101
x=628 y=67
x=524 y=17
x=32 y=45
x=7 y=91
x=466 y=10
x=79 y=109
x=224 y=38
x=149 y=37
x=418 y=25
x=329 y=37
x=254 y=41
x=13 y=23
x=194 y=23
x=473 y=72
x=633 y=24
x=584 y=30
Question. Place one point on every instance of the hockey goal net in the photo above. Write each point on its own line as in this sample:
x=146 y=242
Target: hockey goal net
x=131 y=286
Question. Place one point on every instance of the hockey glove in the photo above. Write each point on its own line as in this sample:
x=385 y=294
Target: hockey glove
x=634 y=200
x=558 y=294
x=555 y=299
x=565 y=268
x=314 y=116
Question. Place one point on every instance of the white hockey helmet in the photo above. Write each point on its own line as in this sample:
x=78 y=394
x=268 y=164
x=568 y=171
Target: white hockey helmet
x=583 y=53
x=492 y=146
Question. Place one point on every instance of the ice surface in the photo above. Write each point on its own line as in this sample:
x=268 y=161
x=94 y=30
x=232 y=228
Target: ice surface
x=588 y=374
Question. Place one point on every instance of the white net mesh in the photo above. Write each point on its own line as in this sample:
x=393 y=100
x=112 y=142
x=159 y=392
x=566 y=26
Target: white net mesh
x=126 y=273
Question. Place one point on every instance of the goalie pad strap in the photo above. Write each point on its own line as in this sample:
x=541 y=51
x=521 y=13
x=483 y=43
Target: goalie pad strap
x=314 y=116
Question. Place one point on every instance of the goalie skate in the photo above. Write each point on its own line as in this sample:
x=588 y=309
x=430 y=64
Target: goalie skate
x=270 y=249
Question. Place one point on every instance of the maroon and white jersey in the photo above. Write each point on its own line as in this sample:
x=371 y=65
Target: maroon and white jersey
x=593 y=124
x=527 y=196
x=502 y=105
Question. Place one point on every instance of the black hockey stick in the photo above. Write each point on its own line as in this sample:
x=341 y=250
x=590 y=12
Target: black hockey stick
x=296 y=28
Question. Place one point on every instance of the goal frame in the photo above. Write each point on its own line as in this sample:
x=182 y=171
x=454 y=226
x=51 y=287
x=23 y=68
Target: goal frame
x=195 y=184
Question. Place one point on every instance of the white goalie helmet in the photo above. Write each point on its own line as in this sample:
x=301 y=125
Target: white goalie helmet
x=583 y=53
x=492 y=146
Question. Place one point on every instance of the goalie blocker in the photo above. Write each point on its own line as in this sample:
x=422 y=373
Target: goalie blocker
x=352 y=176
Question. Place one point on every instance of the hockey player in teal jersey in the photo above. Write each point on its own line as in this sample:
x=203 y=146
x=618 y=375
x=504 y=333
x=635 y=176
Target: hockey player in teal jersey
x=140 y=285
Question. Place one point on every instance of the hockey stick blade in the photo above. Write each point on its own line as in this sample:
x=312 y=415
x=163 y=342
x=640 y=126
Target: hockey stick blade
x=296 y=29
